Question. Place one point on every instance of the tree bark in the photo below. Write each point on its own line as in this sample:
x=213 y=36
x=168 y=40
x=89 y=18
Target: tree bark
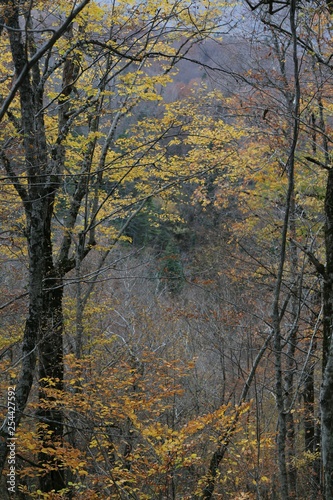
x=51 y=369
x=326 y=397
x=44 y=324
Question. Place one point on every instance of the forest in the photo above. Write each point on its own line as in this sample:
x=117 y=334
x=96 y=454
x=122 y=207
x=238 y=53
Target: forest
x=166 y=249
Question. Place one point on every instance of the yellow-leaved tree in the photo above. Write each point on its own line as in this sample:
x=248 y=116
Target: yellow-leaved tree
x=86 y=140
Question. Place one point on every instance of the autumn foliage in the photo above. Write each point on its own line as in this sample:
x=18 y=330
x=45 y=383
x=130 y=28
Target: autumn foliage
x=166 y=249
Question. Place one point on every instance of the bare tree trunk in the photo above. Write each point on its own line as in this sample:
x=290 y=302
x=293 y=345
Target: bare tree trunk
x=285 y=439
x=311 y=441
x=282 y=423
x=51 y=370
x=290 y=358
x=44 y=324
x=34 y=206
x=326 y=397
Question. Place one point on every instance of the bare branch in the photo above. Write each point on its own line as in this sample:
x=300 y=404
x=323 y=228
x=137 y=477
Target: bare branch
x=320 y=268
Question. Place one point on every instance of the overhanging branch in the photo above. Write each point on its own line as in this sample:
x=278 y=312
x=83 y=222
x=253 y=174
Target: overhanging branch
x=38 y=55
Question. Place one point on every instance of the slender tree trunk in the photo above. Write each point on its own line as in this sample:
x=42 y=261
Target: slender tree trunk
x=282 y=420
x=311 y=430
x=290 y=358
x=285 y=439
x=309 y=401
x=326 y=397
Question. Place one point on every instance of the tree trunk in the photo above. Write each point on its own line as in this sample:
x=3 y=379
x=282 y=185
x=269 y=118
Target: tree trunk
x=311 y=441
x=291 y=364
x=326 y=397
x=32 y=326
x=43 y=329
x=51 y=369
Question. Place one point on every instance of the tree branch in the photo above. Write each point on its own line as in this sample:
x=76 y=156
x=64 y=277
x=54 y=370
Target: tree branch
x=320 y=268
x=38 y=55
x=13 y=177
x=317 y=162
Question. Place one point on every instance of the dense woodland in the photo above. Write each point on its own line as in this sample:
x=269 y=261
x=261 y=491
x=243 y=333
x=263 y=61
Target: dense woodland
x=166 y=231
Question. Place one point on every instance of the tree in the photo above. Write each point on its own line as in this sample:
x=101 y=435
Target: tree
x=277 y=96
x=83 y=162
